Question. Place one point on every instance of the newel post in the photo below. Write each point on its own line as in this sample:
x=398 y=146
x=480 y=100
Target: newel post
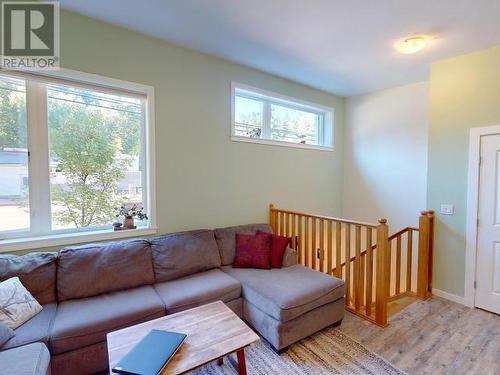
x=272 y=218
x=431 y=216
x=383 y=268
x=425 y=249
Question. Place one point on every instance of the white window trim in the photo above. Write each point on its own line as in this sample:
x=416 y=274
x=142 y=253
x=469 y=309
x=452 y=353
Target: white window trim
x=38 y=242
x=287 y=101
x=57 y=238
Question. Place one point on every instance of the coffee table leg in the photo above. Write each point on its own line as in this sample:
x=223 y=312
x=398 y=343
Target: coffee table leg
x=242 y=367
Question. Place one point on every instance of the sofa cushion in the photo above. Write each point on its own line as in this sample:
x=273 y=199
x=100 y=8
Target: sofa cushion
x=286 y=293
x=93 y=269
x=226 y=239
x=33 y=359
x=37 y=329
x=181 y=254
x=198 y=289
x=37 y=272
x=86 y=321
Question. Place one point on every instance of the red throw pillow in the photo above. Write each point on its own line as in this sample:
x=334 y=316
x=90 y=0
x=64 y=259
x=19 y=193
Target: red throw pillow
x=278 y=247
x=252 y=251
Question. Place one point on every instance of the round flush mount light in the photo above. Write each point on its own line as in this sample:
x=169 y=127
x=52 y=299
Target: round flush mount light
x=411 y=44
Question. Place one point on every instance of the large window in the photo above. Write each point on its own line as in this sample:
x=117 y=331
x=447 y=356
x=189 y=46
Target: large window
x=71 y=154
x=263 y=117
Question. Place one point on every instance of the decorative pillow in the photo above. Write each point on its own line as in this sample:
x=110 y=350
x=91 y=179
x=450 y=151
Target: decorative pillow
x=226 y=239
x=278 y=247
x=252 y=251
x=17 y=305
x=5 y=334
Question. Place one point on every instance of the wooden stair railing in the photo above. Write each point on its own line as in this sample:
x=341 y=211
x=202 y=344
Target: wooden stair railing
x=391 y=237
x=377 y=268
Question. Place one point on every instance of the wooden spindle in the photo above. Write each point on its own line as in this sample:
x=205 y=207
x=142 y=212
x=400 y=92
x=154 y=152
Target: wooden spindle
x=409 y=259
x=362 y=279
x=300 y=244
x=307 y=245
x=398 y=264
x=348 y=264
x=357 y=269
x=314 y=245
x=369 y=271
x=330 y=247
x=321 y=245
x=294 y=232
x=338 y=249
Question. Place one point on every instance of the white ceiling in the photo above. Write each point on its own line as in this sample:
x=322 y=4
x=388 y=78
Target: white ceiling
x=341 y=46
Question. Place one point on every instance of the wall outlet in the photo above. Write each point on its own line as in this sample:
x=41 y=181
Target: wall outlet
x=447 y=209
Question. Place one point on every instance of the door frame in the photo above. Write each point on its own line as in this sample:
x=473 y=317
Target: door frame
x=473 y=207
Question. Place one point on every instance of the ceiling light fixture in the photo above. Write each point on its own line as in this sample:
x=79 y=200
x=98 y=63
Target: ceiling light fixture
x=412 y=44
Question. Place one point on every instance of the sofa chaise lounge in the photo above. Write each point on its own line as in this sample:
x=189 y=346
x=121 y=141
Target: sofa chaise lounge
x=90 y=290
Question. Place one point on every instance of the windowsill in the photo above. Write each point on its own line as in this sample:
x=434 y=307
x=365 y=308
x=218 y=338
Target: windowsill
x=28 y=243
x=280 y=143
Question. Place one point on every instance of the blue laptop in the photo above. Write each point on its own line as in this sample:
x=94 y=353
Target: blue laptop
x=151 y=354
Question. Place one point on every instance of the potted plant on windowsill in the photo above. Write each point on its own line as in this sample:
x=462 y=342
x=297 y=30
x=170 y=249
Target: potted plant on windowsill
x=129 y=213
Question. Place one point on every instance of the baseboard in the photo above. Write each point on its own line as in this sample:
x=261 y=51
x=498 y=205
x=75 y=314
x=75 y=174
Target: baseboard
x=449 y=296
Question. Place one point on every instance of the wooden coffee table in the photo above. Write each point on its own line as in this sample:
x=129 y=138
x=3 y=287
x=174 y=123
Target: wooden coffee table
x=213 y=331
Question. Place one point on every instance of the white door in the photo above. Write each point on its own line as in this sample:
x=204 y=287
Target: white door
x=488 y=244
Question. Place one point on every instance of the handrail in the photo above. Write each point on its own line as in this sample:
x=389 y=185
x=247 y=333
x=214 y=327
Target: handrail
x=391 y=237
x=338 y=219
x=402 y=231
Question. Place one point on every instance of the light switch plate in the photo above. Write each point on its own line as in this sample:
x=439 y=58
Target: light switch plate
x=447 y=209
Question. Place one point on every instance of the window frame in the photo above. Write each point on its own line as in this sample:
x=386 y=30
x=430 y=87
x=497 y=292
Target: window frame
x=40 y=233
x=325 y=132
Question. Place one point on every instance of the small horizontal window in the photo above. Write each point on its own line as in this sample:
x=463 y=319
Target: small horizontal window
x=270 y=118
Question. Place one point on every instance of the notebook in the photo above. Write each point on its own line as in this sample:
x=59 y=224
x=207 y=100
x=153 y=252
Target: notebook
x=150 y=355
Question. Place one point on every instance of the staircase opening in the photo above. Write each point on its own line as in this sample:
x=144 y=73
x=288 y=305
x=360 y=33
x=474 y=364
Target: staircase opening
x=383 y=273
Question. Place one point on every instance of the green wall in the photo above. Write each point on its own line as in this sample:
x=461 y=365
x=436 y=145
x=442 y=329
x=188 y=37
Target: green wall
x=464 y=93
x=206 y=180
x=203 y=178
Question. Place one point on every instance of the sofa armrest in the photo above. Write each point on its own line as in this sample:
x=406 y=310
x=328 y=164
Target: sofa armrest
x=289 y=258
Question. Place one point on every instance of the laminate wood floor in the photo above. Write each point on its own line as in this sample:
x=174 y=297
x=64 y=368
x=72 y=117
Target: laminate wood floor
x=434 y=337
